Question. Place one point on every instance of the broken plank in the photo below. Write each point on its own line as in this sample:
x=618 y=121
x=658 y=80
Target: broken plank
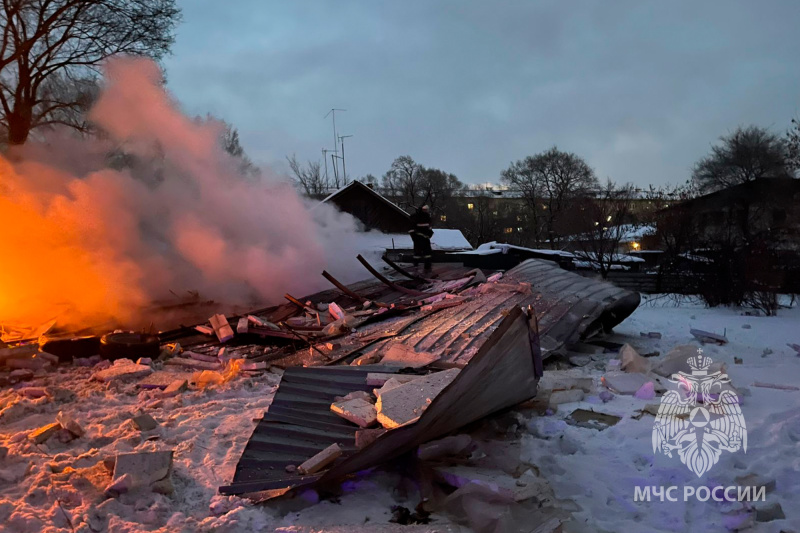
x=380 y=277
x=321 y=460
x=123 y=372
x=221 y=328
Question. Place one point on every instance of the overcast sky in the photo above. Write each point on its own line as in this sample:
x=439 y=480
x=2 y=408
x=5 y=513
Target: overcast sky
x=639 y=89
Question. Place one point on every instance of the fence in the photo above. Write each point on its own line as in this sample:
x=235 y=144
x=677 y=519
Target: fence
x=651 y=283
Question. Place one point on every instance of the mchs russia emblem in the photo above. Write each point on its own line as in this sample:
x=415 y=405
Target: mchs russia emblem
x=701 y=419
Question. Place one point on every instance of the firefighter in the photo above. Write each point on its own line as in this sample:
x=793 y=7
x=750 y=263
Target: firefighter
x=421 y=233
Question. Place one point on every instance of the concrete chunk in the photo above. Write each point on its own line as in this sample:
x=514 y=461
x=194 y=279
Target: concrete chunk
x=405 y=356
x=389 y=385
x=38 y=436
x=565 y=380
x=357 y=411
x=243 y=325
x=118 y=486
x=69 y=423
x=359 y=394
x=404 y=405
x=631 y=361
x=321 y=460
x=625 y=382
x=565 y=396
x=147 y=470
x=144 y=422
x=123 y=372
x=365 y=437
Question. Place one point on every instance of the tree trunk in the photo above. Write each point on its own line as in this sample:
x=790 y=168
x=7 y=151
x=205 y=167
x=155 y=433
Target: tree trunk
x=19 y=126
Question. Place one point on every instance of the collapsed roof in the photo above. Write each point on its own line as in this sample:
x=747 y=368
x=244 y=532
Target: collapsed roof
x=495 y=330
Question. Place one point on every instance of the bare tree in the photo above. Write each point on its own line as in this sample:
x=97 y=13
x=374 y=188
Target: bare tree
x=51 y=51
x=549 y=183
x=437 y=189
x=403 y=181
x=606 y=216
x=232 y=145
x=793 y=145
x=747 y=154
x=309 y=177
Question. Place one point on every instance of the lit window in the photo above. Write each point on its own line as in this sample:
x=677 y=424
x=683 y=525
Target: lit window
x=443 y=218
x=509 y=230
x=494 y=213
x=519 y=230
x=470 y=206
x=635 y=245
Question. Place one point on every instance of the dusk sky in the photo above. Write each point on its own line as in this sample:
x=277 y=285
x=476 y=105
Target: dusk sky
x=638 y=89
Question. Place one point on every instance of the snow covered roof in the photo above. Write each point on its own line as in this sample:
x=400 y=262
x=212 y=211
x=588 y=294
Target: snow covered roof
x=494 y=247
x=443 y=239
x=628 y=232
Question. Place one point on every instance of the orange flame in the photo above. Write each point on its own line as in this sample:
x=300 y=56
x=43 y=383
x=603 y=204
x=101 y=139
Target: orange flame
x=46 y=270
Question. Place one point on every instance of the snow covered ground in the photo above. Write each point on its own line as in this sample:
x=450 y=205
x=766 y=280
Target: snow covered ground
x=58 y=486
x=599 y=470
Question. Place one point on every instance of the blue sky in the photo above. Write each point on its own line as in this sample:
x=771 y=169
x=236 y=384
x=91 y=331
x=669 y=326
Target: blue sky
x=639 y=89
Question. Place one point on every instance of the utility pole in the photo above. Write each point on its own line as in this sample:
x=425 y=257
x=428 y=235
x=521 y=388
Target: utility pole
x=344 y=167
x=332 y=113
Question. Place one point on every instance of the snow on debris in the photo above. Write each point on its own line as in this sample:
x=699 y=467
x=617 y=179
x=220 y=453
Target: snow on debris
x=599 y=470
x=493 y=247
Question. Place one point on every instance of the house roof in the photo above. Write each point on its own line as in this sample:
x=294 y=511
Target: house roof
x=358 y=185
x=747 y=189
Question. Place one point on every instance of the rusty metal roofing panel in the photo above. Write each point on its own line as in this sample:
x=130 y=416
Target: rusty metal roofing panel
x=299 y=424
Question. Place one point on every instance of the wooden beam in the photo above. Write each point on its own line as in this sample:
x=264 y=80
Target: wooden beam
x=402 y=270
x=349 y=292
x=380 y=277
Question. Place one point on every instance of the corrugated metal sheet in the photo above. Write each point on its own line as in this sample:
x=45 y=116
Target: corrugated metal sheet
x=299 y=422
x=488 y=336
x=298 y=425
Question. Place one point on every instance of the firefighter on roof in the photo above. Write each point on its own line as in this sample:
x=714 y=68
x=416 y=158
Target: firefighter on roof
x=421 y=233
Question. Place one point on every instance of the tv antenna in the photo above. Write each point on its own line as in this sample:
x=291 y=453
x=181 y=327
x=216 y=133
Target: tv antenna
x=332 y=114
x=344 y=167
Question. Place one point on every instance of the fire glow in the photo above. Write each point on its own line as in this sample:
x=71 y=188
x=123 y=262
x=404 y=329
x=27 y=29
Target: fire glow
x=86 y=241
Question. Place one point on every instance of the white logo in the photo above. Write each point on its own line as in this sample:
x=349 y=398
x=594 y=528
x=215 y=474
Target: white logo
x=699 y=433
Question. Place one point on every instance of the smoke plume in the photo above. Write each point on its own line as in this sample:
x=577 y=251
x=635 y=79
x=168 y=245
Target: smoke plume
x=99 y=229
